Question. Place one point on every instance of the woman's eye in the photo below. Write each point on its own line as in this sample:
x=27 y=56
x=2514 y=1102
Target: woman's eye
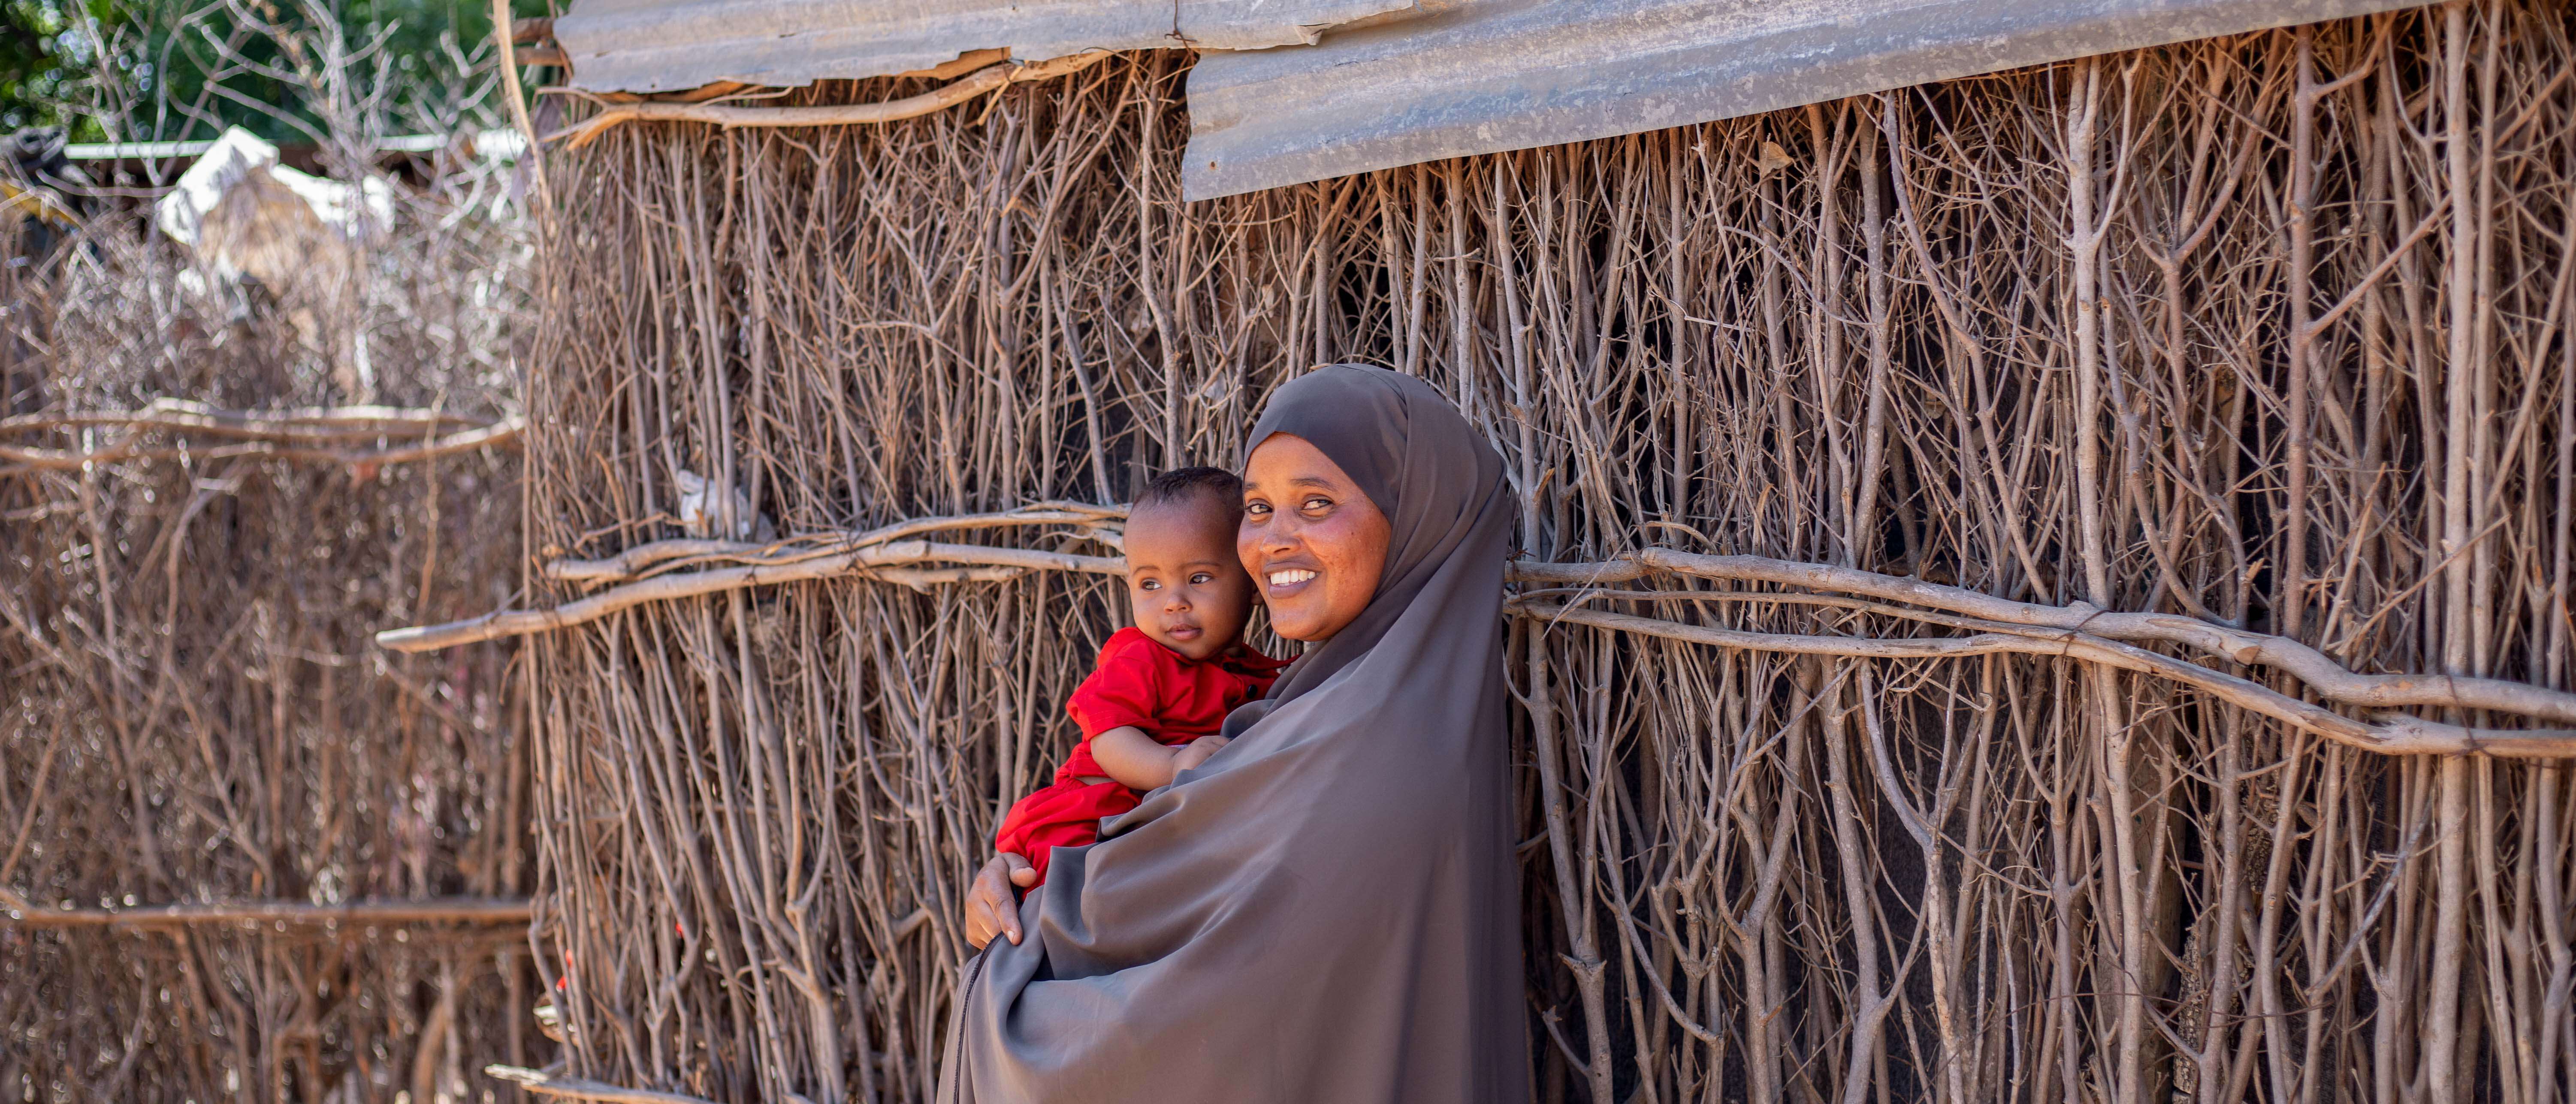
x=1318 y=503
x=1256 y=509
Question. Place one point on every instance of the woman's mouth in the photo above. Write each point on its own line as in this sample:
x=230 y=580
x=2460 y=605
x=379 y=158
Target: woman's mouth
x=1289 y=580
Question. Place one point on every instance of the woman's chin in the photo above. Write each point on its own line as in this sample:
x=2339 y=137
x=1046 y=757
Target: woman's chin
x=1290 y=629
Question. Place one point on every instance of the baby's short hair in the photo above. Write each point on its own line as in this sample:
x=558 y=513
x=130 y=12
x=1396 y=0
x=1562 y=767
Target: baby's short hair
x=1181 y=484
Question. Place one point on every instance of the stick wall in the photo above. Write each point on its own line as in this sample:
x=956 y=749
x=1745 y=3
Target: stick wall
x=2267 y=331
x=244 y=854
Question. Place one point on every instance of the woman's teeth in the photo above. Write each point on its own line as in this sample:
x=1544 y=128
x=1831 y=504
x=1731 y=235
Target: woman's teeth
x=1289 y=578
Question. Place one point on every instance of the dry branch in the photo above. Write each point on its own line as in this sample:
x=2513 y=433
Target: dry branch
x=452 y=910
x=637 y=561
x=270 y=443
x=2310 y=666
x=910 y=553
x=328 y=423
x=502 y=434
x=2076 y=631
x=958 y=66
x=574 y=1088
x=2394 y=736
x=989 y=79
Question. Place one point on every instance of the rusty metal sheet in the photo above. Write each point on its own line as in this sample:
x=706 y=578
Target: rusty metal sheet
x=667 y=45
x=1483 y=76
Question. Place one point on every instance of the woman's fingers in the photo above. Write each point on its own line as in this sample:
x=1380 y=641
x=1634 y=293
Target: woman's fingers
x=980 y=924
x=1006 y=870
x=991 y=906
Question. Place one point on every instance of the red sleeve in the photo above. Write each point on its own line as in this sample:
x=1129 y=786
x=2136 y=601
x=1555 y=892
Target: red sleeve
x=1124 y=689
x=1258 y=672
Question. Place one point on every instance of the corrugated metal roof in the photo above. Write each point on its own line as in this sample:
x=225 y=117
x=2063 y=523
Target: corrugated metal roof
x=1483 y=76
x=668 y=45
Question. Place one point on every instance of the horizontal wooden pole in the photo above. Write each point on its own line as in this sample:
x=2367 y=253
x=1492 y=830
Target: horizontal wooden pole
x=988 y=79
x=636 y=561
x=498 y=624
x=2330 y=679
x=2000 y=625
x=277 y=445
x=2392 y=735
x=559 y=1085
x=335 y=422
x=433 y=910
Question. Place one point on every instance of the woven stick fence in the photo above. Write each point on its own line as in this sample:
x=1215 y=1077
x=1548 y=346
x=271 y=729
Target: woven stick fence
x=1992 y=555
x=245 y=855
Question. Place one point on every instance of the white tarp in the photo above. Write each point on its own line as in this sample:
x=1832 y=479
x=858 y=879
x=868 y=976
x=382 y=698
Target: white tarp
x=244 y=213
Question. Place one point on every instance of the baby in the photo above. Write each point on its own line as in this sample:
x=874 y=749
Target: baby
x=1161 y=688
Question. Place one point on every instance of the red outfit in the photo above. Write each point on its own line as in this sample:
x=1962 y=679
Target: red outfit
x=1137 y=682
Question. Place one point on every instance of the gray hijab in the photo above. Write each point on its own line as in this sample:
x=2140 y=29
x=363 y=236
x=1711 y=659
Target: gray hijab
x=1325 y=910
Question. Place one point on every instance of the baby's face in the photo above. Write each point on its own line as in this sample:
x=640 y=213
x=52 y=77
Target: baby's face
x=1187 y=587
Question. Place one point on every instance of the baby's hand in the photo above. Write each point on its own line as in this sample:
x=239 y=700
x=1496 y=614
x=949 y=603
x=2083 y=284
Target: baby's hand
x=1196 y=752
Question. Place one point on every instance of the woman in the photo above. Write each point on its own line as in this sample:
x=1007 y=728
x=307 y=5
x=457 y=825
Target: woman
x=1326 y=909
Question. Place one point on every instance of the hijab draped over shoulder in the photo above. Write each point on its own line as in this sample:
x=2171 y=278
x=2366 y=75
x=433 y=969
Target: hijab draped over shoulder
x=1326 y=910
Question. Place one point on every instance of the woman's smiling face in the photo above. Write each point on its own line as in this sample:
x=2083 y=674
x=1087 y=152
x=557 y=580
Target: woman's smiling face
x=1315 y=544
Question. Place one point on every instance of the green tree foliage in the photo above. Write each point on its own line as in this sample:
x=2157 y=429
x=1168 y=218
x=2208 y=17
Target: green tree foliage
x=31 y=69
x=135 y=70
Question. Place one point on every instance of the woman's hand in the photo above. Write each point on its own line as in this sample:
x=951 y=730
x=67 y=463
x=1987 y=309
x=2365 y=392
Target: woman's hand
x=1196 y=752
x=991 y=906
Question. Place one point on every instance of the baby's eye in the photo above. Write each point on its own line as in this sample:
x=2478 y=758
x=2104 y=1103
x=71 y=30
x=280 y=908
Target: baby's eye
x=1149 y=584
x=1202 y=577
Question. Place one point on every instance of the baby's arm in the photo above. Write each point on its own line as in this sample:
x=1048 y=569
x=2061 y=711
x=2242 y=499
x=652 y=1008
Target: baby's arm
x=1135 y=761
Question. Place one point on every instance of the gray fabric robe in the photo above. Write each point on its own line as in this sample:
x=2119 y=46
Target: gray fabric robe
x=1326 y=910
